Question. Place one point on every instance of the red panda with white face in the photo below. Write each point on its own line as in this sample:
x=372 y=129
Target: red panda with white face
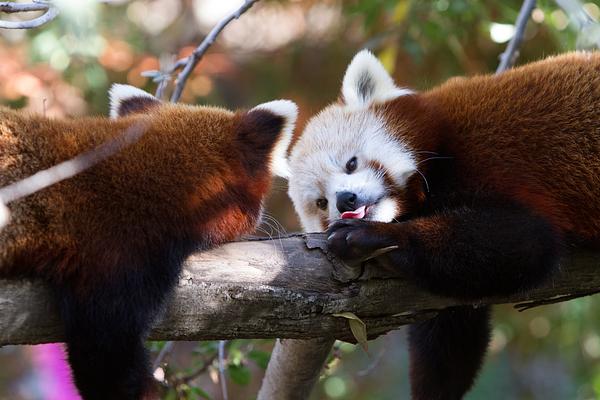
x=480 y=184
x=111 y=241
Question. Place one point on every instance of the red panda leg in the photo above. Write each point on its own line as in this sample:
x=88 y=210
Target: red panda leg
x=463 y=252
x=446 y=352
x=105 y=346
x=106 y=323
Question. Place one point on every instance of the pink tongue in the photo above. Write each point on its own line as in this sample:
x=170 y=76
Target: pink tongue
x=357 y=214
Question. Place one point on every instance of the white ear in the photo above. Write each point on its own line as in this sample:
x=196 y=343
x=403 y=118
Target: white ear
x=288 y=110
x=366 y=81
x=127 y=99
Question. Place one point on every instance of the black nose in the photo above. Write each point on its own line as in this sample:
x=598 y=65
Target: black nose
x=345 y=201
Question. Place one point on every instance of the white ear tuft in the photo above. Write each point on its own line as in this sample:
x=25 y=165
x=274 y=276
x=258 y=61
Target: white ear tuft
x=366 y=81
x=126 y=99
x=288 y=110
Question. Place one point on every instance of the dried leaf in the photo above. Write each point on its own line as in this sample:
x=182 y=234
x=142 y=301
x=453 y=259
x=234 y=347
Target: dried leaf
x=358 y=328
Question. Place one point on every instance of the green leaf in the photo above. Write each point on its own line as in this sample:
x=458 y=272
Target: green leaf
x=171 y=395
x=358 y=328
x=239 y=374
x=199 y=393
x=261 y=358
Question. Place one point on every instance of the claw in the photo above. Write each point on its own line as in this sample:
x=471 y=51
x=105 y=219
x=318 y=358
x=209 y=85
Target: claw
x=381 y=251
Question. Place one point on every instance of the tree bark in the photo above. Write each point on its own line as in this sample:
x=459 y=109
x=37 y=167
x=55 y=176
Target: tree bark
x=286 y=288
x=294 y=368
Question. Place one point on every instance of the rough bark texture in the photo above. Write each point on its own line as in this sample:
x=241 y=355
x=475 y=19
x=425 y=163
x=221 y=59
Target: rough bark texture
x=285 y=288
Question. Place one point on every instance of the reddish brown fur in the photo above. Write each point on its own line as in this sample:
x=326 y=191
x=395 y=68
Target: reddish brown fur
x=111 y=241
x=530 y=134
x=169 y=179
x=510 y=168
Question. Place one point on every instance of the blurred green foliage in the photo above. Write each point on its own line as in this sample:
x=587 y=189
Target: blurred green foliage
x=299 y=50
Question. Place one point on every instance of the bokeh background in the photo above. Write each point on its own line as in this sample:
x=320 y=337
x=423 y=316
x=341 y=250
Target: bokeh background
x=299 y=50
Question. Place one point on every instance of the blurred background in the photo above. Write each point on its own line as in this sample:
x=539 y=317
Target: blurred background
x=299 y=50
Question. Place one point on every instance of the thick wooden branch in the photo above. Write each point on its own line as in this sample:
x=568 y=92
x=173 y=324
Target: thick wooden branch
x=285 y=288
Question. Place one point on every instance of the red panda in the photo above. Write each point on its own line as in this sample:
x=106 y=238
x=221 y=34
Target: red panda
x=479 y=185
x=111 y=241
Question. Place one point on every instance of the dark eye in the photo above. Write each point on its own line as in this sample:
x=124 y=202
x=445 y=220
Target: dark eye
x=351 y=165
x=322 y=204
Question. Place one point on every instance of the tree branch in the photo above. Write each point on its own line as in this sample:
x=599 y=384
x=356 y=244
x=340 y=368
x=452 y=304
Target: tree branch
x=51 y=12
x=287 y=288
x=509 y=57
x=189 y=63
x=10 y=7
x=294 y=368
x=222 y=377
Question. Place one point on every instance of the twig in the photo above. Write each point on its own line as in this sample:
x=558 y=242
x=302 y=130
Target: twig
x=576 y=12
x=191 y=61
x=11 y=7
x=162 y=354
x=553 y=300
x=72 y=167
x=194 y=374
x=509 y=57
x=222 y=380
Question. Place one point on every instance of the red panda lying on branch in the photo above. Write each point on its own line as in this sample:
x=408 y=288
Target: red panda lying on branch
x=111 y=241
x=475 y=188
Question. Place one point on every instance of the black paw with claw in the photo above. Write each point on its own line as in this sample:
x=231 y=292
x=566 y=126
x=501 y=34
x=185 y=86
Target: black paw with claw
x=357 y=240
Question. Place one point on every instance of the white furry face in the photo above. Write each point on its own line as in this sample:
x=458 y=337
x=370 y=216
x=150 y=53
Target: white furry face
x=347 y=160
x=319 y=167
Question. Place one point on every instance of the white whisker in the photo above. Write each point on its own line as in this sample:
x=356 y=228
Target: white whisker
x=434 y=158
x=275 y=226
x=425 y=179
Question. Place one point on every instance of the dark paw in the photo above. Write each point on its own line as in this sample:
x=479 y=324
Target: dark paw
x=355 y=240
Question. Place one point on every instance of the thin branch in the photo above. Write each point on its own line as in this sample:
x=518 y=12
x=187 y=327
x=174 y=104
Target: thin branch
x=191 y=61
x=509 y=57
x=577 y=13
x=206 y=363
x=51 y=12
x=553 y=300
x=167 y=348
x=222 y=379
x=10 y=7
